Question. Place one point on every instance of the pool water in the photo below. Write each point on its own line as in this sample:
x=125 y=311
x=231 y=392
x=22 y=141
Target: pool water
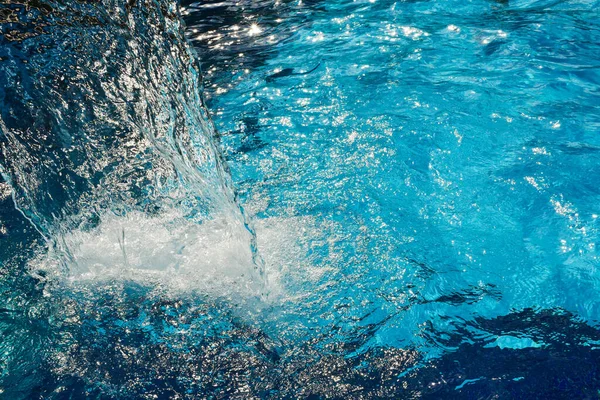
x=300 y=199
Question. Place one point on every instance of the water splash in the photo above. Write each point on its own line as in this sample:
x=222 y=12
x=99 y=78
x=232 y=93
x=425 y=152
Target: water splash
x=109 y=150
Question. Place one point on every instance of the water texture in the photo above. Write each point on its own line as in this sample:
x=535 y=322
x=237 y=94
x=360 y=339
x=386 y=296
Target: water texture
x=418 y=182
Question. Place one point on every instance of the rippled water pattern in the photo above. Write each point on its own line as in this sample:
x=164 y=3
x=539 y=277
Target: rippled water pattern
x=419 y=183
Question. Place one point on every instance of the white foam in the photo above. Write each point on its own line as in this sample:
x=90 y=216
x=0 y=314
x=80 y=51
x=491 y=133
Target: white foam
x=177 y=257
x=165 y=250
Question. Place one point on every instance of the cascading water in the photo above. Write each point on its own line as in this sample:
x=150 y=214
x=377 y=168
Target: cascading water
x=108 y=149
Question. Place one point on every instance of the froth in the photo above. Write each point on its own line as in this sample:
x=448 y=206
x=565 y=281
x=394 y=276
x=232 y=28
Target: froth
x=166 y=250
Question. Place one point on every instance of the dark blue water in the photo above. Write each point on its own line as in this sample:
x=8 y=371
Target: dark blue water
x=299 y=199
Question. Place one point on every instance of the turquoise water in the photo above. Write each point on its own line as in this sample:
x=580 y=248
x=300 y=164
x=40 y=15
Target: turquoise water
x=367 y=199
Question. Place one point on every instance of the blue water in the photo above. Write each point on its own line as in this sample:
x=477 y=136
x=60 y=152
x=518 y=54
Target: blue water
x=299 y=199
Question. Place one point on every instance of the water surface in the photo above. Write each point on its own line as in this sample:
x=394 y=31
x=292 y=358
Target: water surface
x=368 y=199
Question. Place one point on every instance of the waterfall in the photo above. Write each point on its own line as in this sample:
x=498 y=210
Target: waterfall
x=109 y=150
